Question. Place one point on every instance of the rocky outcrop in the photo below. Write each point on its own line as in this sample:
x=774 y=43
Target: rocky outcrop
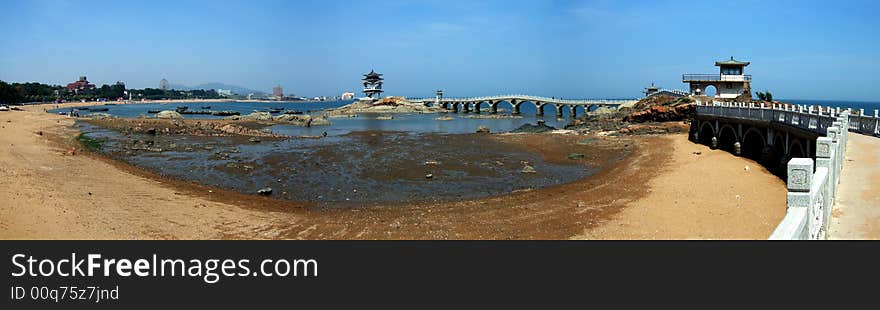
x=385 y=105
x=169 y=115
x=482 y=129
x=539 y=128
x=661 y=114
x=303 y=120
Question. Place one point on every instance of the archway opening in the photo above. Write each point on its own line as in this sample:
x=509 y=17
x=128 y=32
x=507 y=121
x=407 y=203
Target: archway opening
x=478 y=107
x=710 y=91
x=706 y=133
x=727 y=139
x=752 y=145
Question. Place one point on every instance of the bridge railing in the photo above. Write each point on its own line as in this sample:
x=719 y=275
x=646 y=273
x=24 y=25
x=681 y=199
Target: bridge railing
x=865 y=124
x=815 y=119
x=812 y=185
x=530 y=98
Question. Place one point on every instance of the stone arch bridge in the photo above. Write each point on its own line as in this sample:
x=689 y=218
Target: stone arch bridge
x=476 y=104
x=771 y=135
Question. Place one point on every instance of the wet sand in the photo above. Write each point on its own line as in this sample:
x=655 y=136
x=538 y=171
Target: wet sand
x=49 y=194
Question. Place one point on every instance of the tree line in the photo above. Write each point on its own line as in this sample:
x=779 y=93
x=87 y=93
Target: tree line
x=13 y=93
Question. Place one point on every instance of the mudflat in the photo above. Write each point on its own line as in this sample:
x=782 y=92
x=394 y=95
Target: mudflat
x=660 y=190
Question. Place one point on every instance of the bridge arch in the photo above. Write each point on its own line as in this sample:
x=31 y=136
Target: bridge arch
x=706 y=133
x=753 y=144
x=727 y=138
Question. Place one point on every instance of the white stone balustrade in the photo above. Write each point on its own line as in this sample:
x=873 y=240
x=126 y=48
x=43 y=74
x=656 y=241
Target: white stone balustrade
x=812 y=185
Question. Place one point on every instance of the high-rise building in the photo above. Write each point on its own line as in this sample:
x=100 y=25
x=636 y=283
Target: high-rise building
x=277 y=91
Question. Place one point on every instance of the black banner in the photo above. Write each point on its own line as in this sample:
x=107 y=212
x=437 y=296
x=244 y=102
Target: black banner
x=409 y=274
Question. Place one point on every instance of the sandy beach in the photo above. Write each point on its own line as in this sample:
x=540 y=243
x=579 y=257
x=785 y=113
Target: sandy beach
x=662 y=190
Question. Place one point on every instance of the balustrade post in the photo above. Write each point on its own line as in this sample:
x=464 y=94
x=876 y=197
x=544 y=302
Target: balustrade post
x=799 y=183
x=825 y=155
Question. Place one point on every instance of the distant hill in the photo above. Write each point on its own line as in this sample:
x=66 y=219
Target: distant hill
x=235 y=89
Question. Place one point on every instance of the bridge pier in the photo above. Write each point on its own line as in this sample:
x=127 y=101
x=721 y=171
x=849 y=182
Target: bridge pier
x=466 y=106
x=540 y=107
x=572 y=111
x=559 y=110
x=493 y=107
x=455 y=107
x=477 y=106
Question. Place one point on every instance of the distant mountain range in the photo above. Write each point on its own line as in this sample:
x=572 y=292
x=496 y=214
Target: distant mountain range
x=235 y=89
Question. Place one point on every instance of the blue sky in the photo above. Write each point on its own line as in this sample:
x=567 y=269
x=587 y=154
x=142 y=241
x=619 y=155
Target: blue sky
x=576 y=49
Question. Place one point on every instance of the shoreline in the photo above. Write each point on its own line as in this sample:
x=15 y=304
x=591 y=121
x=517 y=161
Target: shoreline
x=49 y=201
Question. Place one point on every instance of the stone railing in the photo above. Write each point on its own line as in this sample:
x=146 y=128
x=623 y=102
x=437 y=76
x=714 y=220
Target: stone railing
x=812 y=186
x=815 y=119
x=532 y=99
x=865 y=124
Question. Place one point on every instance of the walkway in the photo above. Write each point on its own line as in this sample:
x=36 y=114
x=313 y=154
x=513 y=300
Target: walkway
x=856 y=214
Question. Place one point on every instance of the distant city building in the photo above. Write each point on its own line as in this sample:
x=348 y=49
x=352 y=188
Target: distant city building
x=277 y=91
x=347 y=96
x=372 y=84
x=81 y=86
x=163 y=84
x=731 y=83
x=224 y=92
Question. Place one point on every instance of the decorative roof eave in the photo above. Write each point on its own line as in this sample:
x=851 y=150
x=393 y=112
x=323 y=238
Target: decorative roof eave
x=732 y=62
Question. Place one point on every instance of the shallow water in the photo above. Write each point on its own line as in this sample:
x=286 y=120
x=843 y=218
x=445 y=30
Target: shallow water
x=354 y=167
x=420 y=123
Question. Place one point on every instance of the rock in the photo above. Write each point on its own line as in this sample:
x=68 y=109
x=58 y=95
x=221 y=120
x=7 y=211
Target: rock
x=429 y=176
x=385 y=117
x=581 y=204
x=151 y=131
x=575 y=156
x=540 y=127
x=259 y=116
x=169 y=115
x=528 y=169
x=698 y=153
x=482 y=129
x=746 y=168
x=264 y=191
x=432 y=162
x=319 y=121
x=254 y=140
x=444 y=118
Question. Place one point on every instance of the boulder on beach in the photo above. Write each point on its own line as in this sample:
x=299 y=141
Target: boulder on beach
x=169 y=115
x=540 y=127
x=482 y=129
x=258 y=116
x=264 y=191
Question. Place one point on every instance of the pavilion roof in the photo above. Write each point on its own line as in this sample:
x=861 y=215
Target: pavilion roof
x=732 y=62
